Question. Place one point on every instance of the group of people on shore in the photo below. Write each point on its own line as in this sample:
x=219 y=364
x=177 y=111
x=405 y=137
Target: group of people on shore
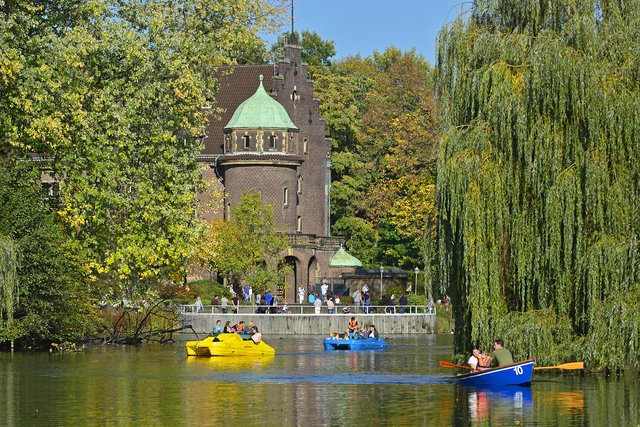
x=270 y=303
x=362 y=298
x=483 y=360
x=239 y=328
x=266 y=303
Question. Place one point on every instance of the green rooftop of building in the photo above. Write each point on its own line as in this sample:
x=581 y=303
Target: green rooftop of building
x=343 y=259
x=260 y=111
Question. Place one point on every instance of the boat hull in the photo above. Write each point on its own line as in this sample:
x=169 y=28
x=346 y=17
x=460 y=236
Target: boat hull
x=349 y=344
x=516 y=374
x=227 y=345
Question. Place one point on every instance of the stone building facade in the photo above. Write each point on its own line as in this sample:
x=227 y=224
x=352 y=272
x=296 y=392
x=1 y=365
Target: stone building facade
x=270 y=139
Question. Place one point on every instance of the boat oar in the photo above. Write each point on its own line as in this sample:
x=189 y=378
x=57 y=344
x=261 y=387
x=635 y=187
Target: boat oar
x=571 y=365
x=446 y=364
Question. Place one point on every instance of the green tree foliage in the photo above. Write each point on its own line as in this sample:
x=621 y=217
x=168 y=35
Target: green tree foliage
x=360 y=233
x=382 y=117
x=44 y=294
x=113 y=93
x=538 y=172
x=9 y=295
x=315 y=50
x=247 y=248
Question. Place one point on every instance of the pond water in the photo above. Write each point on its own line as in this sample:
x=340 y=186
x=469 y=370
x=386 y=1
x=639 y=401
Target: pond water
x=303 y=385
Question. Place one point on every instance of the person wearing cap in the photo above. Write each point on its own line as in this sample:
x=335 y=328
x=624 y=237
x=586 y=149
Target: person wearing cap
x=248 y=328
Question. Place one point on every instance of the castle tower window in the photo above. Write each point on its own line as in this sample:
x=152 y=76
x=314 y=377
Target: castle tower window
x=299 y=184
x=299 y=225
x=272 y=141
x=285 y=197
x=305 y=145
x=246 y=141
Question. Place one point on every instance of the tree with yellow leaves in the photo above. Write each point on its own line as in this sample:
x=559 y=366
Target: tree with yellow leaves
x=113 y=96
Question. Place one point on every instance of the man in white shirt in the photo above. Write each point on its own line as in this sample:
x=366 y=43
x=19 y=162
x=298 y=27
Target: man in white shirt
x=324 y=288
x=317 y=305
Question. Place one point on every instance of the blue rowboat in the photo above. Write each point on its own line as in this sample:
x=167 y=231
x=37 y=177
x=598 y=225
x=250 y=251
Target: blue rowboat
x=349 y=344
x=516 y=374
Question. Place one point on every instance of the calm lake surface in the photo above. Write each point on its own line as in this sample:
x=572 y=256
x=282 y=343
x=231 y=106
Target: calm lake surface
x=157 y=385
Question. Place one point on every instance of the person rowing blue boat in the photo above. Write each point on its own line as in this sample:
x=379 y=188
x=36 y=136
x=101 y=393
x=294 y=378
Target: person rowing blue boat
x=501 y=356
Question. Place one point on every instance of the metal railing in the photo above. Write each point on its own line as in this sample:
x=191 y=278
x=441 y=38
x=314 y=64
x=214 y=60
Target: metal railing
x=308 y=309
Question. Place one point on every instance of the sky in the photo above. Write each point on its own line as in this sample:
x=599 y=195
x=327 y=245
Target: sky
x=364 y=26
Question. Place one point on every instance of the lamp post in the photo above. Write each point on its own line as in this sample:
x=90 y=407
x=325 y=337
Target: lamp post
x=381 y=271
x=415 y=290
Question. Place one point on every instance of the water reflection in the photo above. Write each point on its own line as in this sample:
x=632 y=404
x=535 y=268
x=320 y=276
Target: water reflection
x=231 y=363
x=564 y=402
x=514 y=402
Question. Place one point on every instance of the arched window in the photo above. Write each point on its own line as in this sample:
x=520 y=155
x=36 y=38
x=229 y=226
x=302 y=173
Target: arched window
x=246 y=141
x=272 y=141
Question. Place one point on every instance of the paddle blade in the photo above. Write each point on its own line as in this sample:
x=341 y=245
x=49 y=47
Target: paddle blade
x=446 y=364
x=567 y=366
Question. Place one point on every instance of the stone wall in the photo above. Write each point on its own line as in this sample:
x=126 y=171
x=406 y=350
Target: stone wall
x=314 y=324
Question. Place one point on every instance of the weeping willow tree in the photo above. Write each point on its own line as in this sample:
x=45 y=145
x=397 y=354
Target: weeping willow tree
x=539 y=179
x=8 y=287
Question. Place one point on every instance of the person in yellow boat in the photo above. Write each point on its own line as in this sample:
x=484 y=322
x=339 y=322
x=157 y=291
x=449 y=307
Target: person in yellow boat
x=217 y=329
x=257 y=336
x=239 y=328
x=227 y=328
x=248 y=328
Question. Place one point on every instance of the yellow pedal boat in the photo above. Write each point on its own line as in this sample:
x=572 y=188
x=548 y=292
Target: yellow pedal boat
x=228 y=345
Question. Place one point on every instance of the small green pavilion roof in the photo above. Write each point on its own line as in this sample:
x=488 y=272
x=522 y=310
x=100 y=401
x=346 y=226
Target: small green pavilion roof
x=260 y=111
x=343 y=259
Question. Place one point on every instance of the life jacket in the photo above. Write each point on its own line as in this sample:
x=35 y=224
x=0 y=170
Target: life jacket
x=484 y=361
x=353 y=325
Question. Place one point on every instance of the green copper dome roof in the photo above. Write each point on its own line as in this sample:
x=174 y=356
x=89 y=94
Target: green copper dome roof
x=343 y=259
x=260 y=111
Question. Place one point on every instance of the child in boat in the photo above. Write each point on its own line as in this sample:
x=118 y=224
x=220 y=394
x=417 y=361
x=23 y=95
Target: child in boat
x=257 y=336
x=353 y=327
x=479 y=361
